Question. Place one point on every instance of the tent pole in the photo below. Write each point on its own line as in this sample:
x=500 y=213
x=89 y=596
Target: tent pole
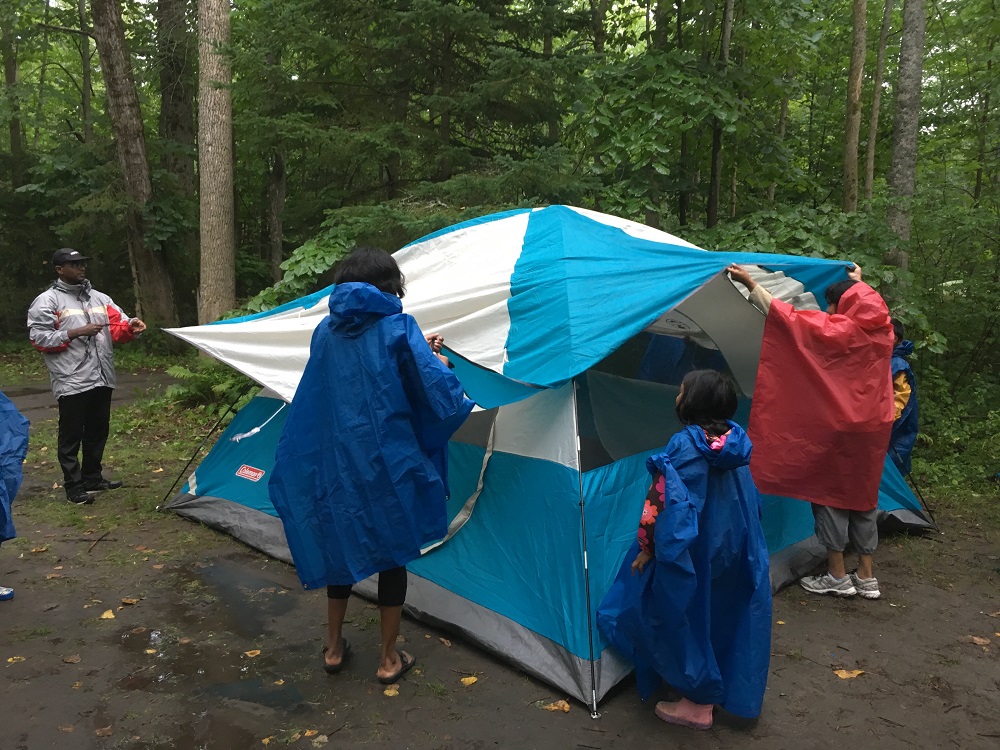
x=594 y=713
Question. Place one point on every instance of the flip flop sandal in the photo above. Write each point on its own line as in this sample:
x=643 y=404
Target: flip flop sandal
x=405 y=666
x=335 y=668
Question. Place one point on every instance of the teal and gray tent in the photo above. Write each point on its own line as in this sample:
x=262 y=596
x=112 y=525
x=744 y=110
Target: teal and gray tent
x=571 y=330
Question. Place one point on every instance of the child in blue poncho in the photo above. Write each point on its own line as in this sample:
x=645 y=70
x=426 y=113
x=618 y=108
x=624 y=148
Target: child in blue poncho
x=13 y=449
x=691 y=605
x=904 y=396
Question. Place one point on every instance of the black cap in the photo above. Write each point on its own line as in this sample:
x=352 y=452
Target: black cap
x=66 y=255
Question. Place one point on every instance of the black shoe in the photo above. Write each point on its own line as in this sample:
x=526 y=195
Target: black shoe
x=104 y=484
x=80 y=497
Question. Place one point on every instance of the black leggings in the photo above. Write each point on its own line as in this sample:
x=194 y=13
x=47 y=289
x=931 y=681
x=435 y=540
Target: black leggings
x=391 y=588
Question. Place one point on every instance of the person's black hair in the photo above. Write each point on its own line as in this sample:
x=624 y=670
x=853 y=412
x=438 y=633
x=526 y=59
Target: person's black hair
x=709 y=400
x=370 y=265
x=835 y=291
x=898 y=329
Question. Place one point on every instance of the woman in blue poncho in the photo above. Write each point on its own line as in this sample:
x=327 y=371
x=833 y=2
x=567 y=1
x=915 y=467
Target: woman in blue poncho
x=360 y=478
x=13 y=449
x=691 y=605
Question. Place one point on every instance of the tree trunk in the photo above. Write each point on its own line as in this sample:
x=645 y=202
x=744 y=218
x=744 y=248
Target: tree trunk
x=782 y=124
x=684 y=194
x=598 y=13
x=984 y=122
x=276 y=187
x=715 y=178
x=176 y=68
x=8 y=50
x=86 y=83
x=852 y=128
x=41 y=75
x=217 y=290
x=905 y=126
x=883 y=40
x=154 y=294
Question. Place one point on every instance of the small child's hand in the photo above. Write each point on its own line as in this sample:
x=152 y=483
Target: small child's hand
x=854 y=272
x=640 y=561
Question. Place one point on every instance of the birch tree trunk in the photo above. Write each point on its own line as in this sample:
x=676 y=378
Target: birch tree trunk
x=217 y=288
x=154 y=293
x=883 y=40
x=852 y=128
x=905 y=126
x=86 y=78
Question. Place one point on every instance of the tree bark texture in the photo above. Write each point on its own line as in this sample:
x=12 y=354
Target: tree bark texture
x=598 y=12
x=782 y=124
x=883 y=40
x=176 y=63
x=86 y=82
x=152 y=284
x=905 y=125
x=217 y=289
x=852 y=127
x=8 y=50
x=715 y=177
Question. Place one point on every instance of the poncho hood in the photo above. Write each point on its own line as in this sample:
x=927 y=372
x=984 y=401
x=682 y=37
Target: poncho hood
x=355 y=307
x=864 y=306
x=903 y=349
x=735 y=453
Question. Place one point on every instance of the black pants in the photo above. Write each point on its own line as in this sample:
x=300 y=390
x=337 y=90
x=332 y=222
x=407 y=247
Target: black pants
x=84 y=419
x=391 y=588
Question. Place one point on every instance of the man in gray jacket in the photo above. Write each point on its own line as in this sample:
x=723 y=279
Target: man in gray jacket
x=75 y=326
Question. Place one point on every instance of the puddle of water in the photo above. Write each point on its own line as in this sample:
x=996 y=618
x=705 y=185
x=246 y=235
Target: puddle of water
x=210 y=731
x=260 y=692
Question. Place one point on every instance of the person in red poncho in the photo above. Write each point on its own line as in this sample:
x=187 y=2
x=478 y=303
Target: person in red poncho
x=822 y=416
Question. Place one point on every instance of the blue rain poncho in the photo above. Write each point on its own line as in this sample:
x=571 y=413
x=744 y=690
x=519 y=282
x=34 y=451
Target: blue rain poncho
x=13 y=449
x=904 y=429
x=699 y=616
x=360 y=473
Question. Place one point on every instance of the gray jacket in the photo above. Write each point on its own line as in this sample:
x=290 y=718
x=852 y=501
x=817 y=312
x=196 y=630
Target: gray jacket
x=87 y=362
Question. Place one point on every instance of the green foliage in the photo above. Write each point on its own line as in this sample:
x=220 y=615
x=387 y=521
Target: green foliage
x=209 y=387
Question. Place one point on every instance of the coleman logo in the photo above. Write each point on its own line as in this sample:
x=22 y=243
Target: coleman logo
x=249 y=472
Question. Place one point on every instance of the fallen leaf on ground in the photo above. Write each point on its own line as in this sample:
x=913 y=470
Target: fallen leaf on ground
x=107 y=615
x=781 y=622
x=995 y=614
x=266 y=740
x=310 y=733
x=279 y=682
x=103 y=732
x=470 y=680
x=50 y=607
x=140 y=548
x=39 y=549
x=975 y=639
x=130 y=602
x=252 y=652
x=150 y=651
x=58 y=567
x=848 y=674
x=72 y=659
x=184 y=641
x=400 y=638
x=55 y=485
x=157 y=471
x=445 y=641
x=557 y=706
x=76 y=685
x=15 y=659
x=295 y=737
x=50 y=576
x=392 y=691
x=320 y=741
x=158 y=567
x=67 y=728
x=137 y=631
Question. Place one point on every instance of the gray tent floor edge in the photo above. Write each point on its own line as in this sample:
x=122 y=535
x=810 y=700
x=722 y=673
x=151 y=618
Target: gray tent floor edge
x=252 y=527
x=530 y=652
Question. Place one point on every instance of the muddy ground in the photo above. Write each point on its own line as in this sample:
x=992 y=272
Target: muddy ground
x=159 y=633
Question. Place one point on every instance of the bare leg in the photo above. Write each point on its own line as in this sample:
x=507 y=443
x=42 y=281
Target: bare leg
x=865 y=566
x=336 y=611
x=835 y=564
x=389 y=661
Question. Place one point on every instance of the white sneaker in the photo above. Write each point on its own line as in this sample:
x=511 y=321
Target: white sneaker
x=827 y=584
x=866 y=587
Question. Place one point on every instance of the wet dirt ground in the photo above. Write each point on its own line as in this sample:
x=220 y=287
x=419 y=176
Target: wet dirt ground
x=165 y=634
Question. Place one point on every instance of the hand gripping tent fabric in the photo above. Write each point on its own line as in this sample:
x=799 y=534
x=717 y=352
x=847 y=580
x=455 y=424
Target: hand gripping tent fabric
x=571 y=330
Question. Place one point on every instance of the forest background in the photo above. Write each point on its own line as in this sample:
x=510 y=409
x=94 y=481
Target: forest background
x=218 y=156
